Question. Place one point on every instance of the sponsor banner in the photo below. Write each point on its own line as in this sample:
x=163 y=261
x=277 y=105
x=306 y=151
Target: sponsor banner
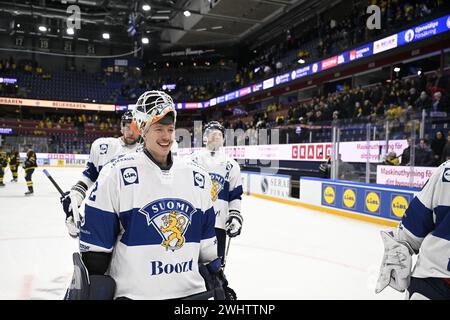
x=232 y=95
x=366 y=199
x=8 y=80
x=122 y=108
x=268 y=83
x=282 y=78
x=6 y=130
x=300 y=72
x=245 y=91
x=329 y=63
x=58 y=159
x=352 y=151
x=403 y=176
x=270 y=185
x=193 y=105
x=57 y=104
x=213 y=102
x=257 y=87
x=385 y=44
x=425 y=30
x=220 y=99
x=361 y=52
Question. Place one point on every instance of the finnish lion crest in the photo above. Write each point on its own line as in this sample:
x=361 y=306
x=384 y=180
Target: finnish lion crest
x=173 y=224
x=171 y=218
x=217 y=185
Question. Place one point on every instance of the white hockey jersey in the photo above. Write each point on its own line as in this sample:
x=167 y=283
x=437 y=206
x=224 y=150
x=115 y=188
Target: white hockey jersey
x=225 y=174
x=426 y=226
x=158 y=224
x=103 y=150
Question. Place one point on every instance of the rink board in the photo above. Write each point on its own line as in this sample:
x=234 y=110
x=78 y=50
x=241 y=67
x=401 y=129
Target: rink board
x=372 y=200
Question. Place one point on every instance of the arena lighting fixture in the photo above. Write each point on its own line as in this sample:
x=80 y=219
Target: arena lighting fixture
x=397 y=69
x=70 y=31
x=146 y=7
x=145 y=40
x=301 y=61
x=187 y=13
x=42 y=28
x=419 y=72
x=105 y=35
x=18 y=25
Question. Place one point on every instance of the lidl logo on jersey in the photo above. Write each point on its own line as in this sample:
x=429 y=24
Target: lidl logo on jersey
x=446 y=175
x=103 y=148
x=130 y=175
x=199 y=180
x=217 y=185
x=171 y=219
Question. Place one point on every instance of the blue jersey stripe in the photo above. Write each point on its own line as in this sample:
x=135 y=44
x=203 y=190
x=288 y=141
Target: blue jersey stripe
x=236 y=193
x=418 y=219
x=91 y=172
x=100 y=228
x=209 y=221
x=442 y=222
x=137 y=232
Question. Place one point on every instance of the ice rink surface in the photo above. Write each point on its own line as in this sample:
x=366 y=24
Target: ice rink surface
x=284 y=252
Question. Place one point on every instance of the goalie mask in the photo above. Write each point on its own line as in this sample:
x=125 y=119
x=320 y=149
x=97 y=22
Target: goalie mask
x=153 y=107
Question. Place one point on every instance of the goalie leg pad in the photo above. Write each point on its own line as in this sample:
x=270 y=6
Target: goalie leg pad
x=85 y=287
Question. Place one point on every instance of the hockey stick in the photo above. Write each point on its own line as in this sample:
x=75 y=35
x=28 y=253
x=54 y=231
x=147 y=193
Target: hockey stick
x=76 y=213
x=53 y=181
x=226 y=253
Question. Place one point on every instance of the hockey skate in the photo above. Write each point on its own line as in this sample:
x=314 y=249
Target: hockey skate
x=29 y=193
x=2 y=184
x=14 y=180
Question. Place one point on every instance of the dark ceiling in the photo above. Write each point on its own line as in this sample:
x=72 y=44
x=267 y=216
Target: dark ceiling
x=212 y=23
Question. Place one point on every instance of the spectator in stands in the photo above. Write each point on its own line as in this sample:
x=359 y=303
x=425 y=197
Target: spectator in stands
x=391 y=159
x=423 y=154
x=437 y=146
x=436 y=105
x=423 y=102
x=446 y=150
x=406 y=154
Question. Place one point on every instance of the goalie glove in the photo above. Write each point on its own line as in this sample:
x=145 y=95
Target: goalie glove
x=396 y=265
x=233 y=225
x=71 y=201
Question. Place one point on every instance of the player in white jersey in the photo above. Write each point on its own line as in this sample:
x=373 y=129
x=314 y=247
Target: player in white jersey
x=225 y=174
x=149 y=220
x=103 y=150
x=424 y=230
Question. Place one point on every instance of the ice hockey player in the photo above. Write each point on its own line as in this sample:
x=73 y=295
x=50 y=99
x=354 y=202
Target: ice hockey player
x=3 y=164
x=225 y=174
x=149 y=221
x=424 y=227
x=29 y=165
x=103 y=150
x=14 y=163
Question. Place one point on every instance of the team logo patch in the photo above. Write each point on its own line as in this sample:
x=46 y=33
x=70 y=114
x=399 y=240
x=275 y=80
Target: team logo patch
x=217 y=185
x=130 y=175
x=199 y=180
x=103 y=148
x=446 y=175
x=171 y=218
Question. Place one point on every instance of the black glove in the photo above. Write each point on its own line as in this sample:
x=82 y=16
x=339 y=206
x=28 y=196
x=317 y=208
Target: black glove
x=215 y=268
x=233 y=225
x=65 y=201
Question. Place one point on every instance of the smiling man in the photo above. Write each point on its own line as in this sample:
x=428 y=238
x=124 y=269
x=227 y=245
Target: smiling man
x=149 y=221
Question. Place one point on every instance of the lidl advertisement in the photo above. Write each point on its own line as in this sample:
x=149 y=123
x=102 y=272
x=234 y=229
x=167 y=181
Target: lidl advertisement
x=361 y=198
